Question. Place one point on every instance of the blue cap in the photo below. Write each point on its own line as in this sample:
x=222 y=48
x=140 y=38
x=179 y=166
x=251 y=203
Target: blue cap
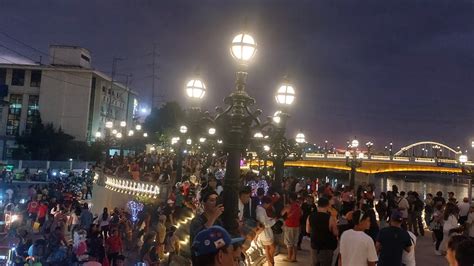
x=209 y=241
x=396 y=216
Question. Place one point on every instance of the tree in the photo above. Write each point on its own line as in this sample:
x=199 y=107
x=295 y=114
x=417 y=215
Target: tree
x=44 y=142
x=164 y=120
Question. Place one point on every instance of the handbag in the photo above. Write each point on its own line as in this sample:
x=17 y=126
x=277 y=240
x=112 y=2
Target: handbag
x=36 y=227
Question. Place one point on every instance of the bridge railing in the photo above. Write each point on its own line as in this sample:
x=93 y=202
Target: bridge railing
x=386 y=158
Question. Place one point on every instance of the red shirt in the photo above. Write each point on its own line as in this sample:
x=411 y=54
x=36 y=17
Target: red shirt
x=114 y=244
x=33 y=206
x=294 y=215
x=42 y=210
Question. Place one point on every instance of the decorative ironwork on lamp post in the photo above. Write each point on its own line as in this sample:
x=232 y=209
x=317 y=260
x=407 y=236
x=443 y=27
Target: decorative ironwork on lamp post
x=462 y=160
x=236 y=123
x=353 y=160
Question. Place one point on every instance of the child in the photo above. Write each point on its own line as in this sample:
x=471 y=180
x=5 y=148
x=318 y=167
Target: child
x=172 y=243
x=161 y=236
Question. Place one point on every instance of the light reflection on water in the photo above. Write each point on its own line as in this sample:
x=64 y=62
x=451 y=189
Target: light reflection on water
x=425 y=185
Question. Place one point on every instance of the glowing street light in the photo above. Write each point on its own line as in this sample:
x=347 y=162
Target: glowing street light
x=355 y=143
x=109 y=124
x=130 y=133
x=195 y=89
x=266 y=148
x=258 y=135
x=123 y=124
x=114 y=131
x=174 y=140
x=285 y=95
x=138 y=127
x=212 y=131
x=145 y=135
x=463 y=158
x=119 y=135
x=189 y=141
x=300 y=138
x=243 y=48
x=202 y=140
x=98 y=134
x=183 y=129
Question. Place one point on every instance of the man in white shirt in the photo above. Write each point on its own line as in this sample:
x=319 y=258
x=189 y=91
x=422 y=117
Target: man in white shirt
x=356 y=248
x=463 y=210
x=403 y=206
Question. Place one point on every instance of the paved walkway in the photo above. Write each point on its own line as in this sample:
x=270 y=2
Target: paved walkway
x=424 y=253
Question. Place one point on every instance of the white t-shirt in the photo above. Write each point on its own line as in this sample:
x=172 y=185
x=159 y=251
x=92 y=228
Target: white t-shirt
x=357 y=248
x=463 y=208
x=408 y=258
x=449 y=224
x=403 y=205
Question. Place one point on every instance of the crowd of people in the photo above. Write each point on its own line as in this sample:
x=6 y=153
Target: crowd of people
x=347 y=226
x=344 y=225
x=39 y=218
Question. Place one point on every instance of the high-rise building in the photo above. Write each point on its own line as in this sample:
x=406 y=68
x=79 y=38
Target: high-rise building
x=68 y=93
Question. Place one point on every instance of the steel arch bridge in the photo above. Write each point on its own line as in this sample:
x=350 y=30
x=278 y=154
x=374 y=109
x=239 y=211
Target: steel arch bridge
x=429 y=148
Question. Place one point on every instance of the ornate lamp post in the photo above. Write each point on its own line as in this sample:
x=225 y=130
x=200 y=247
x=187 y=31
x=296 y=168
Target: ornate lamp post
x=236 y=122
x=462 y=163
x=353 y=160
x=179 y=160
x=281 y=149
x=369 y=148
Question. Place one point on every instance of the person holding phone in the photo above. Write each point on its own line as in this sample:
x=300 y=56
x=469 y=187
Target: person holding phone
x=212 y=211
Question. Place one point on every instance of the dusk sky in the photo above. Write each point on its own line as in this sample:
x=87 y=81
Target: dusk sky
x=400 y=71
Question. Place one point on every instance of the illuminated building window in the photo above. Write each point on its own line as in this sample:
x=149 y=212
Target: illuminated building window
x=33 y=113
x=14 y=114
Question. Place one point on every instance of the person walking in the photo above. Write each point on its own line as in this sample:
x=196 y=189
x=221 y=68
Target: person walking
x=436 y=226
x=266 y=236
x=356 y=248
x=86 y=218
x=463 y=207
x=403 y=207
x=104 y=221
x=307 y=208
x=417 y=221
x=292 y=226
x=382 y=209
x=450 y=221
x=322 y=228
x=113 y=247
x=429 y=208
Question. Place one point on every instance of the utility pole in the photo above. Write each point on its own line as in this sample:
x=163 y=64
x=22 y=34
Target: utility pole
x=153 y=77
x=114 y=66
